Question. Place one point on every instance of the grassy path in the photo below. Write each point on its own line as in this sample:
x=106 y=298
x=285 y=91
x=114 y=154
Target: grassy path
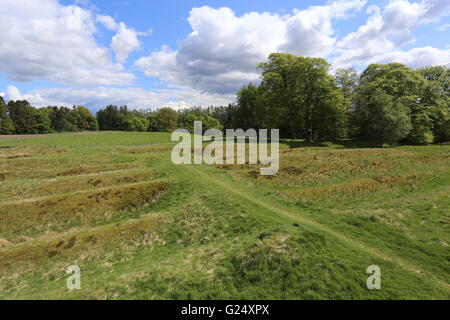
x=230 y=188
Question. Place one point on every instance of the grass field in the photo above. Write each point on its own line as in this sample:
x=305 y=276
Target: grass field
x=140 y=227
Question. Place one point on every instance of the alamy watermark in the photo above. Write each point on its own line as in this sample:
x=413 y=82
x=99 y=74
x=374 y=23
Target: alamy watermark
x=192 y=152
x=74 y=280
x=374 y=281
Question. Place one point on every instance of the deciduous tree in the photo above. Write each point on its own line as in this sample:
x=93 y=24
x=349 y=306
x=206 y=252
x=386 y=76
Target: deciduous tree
x=166 y=119
x=6 y=125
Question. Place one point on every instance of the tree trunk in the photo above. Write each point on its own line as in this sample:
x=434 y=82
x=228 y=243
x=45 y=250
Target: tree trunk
x=294 y=134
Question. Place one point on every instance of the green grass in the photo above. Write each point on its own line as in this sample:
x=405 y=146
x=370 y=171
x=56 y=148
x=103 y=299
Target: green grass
x=216 y=232
x=104 y=138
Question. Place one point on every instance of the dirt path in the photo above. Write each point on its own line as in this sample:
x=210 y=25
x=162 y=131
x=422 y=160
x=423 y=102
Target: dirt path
x=315 y=225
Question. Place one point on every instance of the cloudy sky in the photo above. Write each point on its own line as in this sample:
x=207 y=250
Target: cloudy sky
x=181 y=52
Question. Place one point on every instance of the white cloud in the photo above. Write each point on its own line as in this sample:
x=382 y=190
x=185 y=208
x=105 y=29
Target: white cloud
x=99 y=97
x=221 y=53
x=388 y=29
x=124 y=42
x=42 y=39
x=310 y=32
x=415 y=58
x=107 y=21
x=12 y=93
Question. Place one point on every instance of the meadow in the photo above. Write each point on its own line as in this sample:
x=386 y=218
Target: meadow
x=140 y=227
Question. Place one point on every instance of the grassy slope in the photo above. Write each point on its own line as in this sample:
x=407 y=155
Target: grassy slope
x=215 y=233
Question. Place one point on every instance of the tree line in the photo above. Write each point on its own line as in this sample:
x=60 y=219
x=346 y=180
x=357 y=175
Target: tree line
x=164 y=119
x=19 y=117
x=386 y=103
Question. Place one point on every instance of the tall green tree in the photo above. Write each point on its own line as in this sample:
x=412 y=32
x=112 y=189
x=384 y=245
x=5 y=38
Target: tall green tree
x=389 y=120
x=136 y=124
x=22 y=116
x=42 y=121
x=85 y=119
x=405 y=87
x=347 y=81
x=250 y=112
x=109 y=118
x=6 y=125
x=63 y=119
x=438 y=80
x=152 y=125
x=208 y=122
x=166 y=119
x=436 y=96
x=222 y=113
x=187 y=121
x=302 y=89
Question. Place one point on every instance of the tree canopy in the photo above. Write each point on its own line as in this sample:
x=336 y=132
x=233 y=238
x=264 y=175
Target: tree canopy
x=22 y=118
x=296 y=94
x=6 y=125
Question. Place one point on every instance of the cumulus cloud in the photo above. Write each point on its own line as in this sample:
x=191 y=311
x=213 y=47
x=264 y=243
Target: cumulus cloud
x=222 y=51
x=42 y=39
x=388 y=29
x=124 y=42
x=416 y=57
x=107 y=21
x=99 y=97
x=12 y=93
x=310 y=32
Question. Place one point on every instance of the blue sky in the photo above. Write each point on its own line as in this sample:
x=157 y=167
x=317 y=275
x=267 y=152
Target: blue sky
x=183 y=53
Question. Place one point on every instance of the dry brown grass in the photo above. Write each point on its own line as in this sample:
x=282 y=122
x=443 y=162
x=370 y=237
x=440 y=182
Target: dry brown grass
x=238 y=166
x=24 y=239
x=80 y=244
x=308 y=167
x=62 y=185
x=19 y=165
x=93 y=169
x=59 y=212
x=54 y=166
x=357 y=187
x=4 y=243
x=30 y=151
x=45 y=150
x=11 y=153
x=149 y=150
x=14 y=156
